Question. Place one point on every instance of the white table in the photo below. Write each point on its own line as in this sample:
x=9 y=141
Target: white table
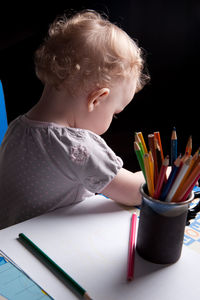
x=90 y=242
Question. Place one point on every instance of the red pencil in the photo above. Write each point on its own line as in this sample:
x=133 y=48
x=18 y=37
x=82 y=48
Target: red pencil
x=190 y=188
x=161 y=178
x=131 y=249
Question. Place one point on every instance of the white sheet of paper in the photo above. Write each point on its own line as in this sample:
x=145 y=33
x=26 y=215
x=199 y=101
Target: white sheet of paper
x=90 y=242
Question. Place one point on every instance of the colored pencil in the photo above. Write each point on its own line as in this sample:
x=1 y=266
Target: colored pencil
x=173 y=146
x=158 y=155
x=138 y=140
x=151 y=165
x=188 y=148
x=149 y=178
x=142 y=141
x=189 y=183
x=152 y=147
x=178 y=179
x=180 y=182
x=171 y=178
x=161 y=178
x=189 y=170
x=139 y=156
x=54 y=267
x=184 y=158
x=157 y=136
x=189 y=190
x=131 y=248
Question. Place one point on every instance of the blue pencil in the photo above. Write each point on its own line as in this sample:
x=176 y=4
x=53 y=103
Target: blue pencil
x=171 y=178
x=173 y=146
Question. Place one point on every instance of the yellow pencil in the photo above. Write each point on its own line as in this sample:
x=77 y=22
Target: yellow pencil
x=142 y=141
x=151 y=164
x=148 y=174
x=151 y=140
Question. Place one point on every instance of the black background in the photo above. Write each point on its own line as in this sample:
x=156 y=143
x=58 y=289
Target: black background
x=169 y=31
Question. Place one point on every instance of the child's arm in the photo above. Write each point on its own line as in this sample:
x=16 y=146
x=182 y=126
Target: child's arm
x=124 y=188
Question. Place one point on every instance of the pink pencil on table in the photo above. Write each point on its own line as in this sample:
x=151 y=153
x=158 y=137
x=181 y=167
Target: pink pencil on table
x=131 y=249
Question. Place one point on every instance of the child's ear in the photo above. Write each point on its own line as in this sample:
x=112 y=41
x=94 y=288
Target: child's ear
x=97 y=97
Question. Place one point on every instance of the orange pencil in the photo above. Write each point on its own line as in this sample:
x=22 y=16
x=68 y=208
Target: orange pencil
x=152 y=147
x=157 y=136
x=191 y=187
x=188 y=148
x=192 y=178
x=192 y=165
x=151 y=164
x=142 y=141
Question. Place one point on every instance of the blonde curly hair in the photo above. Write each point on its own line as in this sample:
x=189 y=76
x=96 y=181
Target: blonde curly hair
x=87 y=49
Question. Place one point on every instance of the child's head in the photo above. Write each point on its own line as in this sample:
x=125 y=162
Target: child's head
x=87 y=51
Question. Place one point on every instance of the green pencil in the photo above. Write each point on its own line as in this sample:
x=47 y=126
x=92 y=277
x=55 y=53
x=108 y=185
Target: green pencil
x=69 y=280
x=140 y=158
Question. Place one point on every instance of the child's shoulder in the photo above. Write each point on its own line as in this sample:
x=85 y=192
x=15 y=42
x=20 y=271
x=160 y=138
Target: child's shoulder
x=63 y=134
x=84 y=135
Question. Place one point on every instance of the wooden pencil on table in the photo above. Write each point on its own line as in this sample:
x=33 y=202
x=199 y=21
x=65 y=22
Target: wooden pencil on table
x=54 y=267
x=131 y=248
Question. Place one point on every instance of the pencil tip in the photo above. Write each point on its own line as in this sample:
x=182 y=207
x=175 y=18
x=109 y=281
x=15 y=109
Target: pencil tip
x=129 y=279
x=87 y=297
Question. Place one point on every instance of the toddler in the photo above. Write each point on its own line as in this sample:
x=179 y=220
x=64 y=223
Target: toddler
x=53 y=156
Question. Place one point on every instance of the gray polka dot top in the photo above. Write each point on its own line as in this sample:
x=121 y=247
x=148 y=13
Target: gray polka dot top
x=44 y=166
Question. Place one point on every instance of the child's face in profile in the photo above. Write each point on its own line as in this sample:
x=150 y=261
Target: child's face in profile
x=119 y=97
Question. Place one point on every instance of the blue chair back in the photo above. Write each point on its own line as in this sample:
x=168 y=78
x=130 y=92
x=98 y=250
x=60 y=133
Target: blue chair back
x=3 y=115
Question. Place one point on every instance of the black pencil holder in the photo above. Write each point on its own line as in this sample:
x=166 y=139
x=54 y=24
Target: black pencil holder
x=161 y=228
